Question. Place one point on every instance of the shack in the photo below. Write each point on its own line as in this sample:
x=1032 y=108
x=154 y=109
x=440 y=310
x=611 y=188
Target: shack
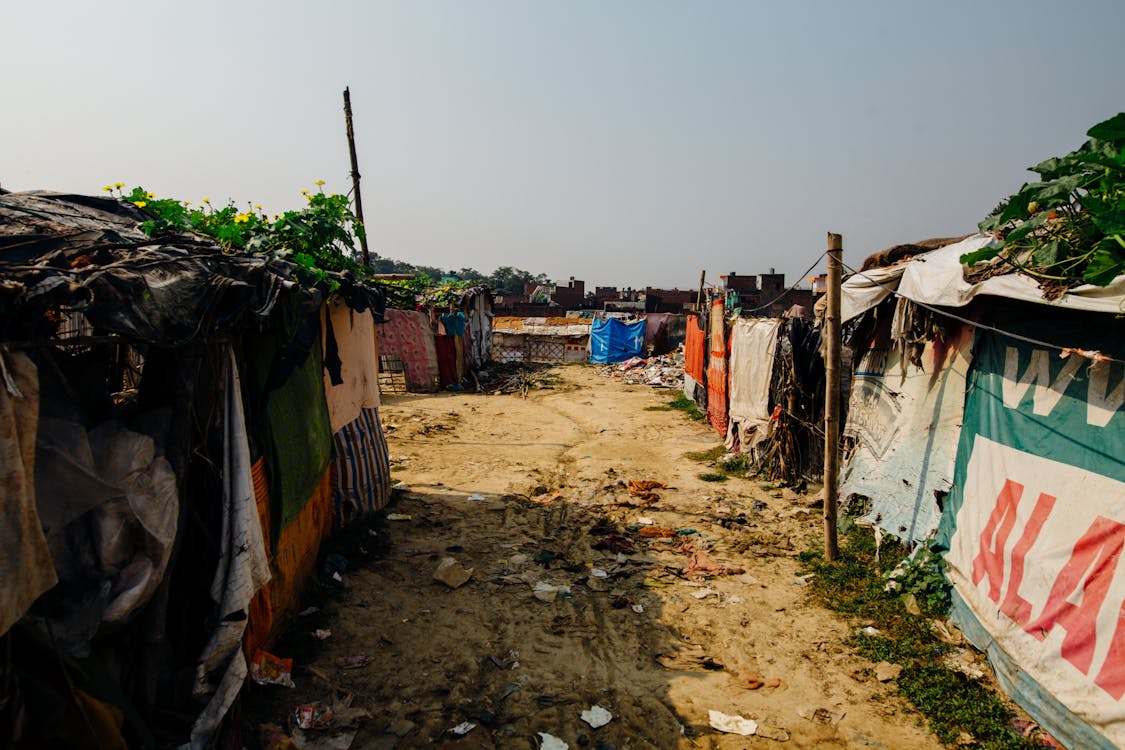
x=182 y=427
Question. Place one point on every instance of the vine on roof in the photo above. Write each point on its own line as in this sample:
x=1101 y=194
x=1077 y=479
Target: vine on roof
x=1069 y=228
x=320 y=237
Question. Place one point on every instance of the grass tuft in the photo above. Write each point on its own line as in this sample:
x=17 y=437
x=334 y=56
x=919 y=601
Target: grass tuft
x=687 y=406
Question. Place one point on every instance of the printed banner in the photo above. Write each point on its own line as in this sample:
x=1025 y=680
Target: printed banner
x=1035 y=528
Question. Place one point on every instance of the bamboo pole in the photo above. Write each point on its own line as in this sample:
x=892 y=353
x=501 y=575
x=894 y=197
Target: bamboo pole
x=832 y=396
x=699 y=298
x=355 y=175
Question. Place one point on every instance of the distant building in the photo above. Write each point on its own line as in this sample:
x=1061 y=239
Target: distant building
x=669 y=300
x=765 y=295
x=569 y=294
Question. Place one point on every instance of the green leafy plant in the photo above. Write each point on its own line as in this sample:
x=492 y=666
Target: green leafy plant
x=922 y=574
x=319 y=237
x=1069 y=228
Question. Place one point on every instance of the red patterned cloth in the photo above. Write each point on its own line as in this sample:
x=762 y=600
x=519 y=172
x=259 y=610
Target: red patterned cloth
x=407 y=335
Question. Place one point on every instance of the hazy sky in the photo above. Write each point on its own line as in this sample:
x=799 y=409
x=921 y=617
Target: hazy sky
x=624 y=143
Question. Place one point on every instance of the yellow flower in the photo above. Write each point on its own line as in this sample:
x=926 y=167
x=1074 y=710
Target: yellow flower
x=309 y=197
x=140 y=204
x=119 y=184
x=108 y=188
x=241 y=218
x=150 y=196
x=187 y=203
x=304 y=192
x=257 y=207
x=318 y=183
x=206 y=200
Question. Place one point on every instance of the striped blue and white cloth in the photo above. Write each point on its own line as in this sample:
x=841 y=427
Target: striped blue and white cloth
x=362 y=476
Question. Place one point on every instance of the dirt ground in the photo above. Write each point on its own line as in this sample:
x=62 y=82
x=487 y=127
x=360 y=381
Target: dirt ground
x=630 y=630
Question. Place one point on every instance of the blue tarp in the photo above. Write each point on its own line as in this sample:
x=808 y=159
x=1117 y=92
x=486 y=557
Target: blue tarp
x=614 y=341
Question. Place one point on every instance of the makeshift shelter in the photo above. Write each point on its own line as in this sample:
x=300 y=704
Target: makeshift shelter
x=1031 y=392
x=164 y=478
x=551 y=340
x=613 y=340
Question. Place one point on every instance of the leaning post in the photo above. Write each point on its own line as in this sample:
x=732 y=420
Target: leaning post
x=355 y=176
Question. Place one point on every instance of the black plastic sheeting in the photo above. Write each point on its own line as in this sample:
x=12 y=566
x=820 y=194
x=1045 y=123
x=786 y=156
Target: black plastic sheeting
x=75 y=253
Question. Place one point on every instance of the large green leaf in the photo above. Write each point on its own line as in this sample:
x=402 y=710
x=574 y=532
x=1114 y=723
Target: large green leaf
x=1108 y=216
x=1046 y=254
x=1112 y=129
x=1106 y=264
x=1051 y=168
x=985 y=253
x=1027 y=227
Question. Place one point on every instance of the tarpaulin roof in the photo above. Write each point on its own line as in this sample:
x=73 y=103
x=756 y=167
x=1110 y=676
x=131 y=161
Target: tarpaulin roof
x=937 y=278
x=62 y=252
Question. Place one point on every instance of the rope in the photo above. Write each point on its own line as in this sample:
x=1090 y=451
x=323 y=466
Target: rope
x=1065 y=351
x=790 y=289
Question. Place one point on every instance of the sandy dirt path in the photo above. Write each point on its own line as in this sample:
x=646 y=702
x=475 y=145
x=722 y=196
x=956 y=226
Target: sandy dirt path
x=634 y=634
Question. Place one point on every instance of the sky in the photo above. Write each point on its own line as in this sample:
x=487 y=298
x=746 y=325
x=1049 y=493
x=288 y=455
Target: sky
x=624 y=143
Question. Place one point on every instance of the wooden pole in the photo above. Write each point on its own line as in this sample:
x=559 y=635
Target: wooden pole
x=355 y=175
x=832 y=396
x=699 y=299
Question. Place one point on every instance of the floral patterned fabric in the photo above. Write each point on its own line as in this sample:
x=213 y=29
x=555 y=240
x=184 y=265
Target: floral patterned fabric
x=408 y=336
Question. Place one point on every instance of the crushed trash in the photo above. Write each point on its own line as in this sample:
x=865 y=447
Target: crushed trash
x=463 y=728
x=267 y=669
x=663 y=371
x=870 y=630
x=546 y=592
x=732 y=724
x=702 y=564
x=821 y=715
x=308 y=611
x=551 y=742
x=315 y=715
x=476 y=497
x=803 y=580
x=399 y=517
x=638 y=608
x=657 y=532
x=321 y=634
x=452 y=573
x=353 y=662
x=645 y=521
x=642 y=489
x=703 y=593
x=596 y=716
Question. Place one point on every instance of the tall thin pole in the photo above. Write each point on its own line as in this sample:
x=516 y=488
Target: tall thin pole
x=832 y=396
x=699 y=298
x=355 y=176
